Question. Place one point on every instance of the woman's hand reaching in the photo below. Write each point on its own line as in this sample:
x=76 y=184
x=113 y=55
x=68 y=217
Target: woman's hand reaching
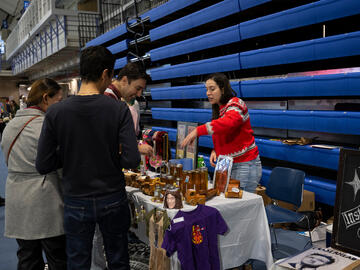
x=189 y=138
x=213 y=158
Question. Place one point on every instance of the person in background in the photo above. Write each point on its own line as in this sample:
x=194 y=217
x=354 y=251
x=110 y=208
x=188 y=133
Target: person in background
x=14 y=107
x=231 y=132
x=8 y=106
x=22 y=102
x=34 y=205
x=130 y=83
x=92 y=137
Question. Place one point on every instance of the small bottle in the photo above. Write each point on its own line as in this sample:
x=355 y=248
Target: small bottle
x=184 y=182
x=177 y=182
x=142 y=165
x=157 y=193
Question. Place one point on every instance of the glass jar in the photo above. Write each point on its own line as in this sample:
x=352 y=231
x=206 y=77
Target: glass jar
x=204 y=178
x=179 y=170
x=170 y=180
x=191 y=184
x=172 y=168
x=197 y=181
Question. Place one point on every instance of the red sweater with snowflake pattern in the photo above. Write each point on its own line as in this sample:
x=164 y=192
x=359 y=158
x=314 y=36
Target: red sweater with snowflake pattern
x=232 y=133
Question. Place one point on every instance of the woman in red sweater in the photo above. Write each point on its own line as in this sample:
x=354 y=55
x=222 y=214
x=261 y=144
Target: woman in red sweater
x=231 y=132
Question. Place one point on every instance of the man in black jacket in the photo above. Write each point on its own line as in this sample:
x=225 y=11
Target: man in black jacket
x=92 y=138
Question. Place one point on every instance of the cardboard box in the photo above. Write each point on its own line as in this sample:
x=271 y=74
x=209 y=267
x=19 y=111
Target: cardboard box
x=308 y=202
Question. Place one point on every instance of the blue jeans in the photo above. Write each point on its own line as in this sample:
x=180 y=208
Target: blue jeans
x=249 y=173
x=111 y=213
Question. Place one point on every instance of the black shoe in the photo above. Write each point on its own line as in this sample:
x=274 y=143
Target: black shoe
x=2 y=201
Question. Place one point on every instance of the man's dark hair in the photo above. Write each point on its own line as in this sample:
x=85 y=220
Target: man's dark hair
x=93 y=61
x=133 y=71
x=227 y=92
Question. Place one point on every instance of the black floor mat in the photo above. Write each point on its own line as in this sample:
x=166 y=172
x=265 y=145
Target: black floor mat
x=139 y=255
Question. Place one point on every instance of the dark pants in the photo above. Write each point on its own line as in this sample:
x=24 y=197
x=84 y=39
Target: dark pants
x=30 y=253
x=112 y=214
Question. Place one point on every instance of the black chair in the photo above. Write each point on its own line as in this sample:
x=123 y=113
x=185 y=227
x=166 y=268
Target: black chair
x=285 y=184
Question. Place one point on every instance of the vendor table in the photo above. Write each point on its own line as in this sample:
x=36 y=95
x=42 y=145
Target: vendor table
x=248 y=236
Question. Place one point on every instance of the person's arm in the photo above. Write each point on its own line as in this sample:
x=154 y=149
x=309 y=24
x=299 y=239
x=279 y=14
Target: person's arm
x=47 y=159
x=130 y=156
x=233 y=117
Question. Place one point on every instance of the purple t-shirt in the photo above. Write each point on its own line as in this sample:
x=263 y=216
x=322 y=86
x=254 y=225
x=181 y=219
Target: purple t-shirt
x=194 y=236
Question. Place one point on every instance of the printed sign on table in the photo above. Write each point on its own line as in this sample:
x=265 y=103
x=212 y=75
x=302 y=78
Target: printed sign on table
x=346 y=228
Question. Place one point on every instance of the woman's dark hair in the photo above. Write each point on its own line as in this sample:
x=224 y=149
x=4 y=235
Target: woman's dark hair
x=226 y=91
x=41 y=87
x=93 y=61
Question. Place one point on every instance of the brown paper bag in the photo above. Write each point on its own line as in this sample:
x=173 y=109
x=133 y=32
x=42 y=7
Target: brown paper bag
x=158 y=259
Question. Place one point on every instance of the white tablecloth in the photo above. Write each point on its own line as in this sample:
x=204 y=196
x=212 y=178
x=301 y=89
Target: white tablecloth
x=248 y=236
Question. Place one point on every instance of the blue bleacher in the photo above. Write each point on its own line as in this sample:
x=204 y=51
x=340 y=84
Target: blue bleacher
x=289 y=19
x=216 y=64
x=305 y=86
x=108 y=36
x=221 y=37
x=209 y=14
x=324 y=189
x=304 y=51
x=167 y=9
x=181 y=114
x=121 y=62
x=337 y=122
x=119 y=47
x=312 y=13
x=175 y=5
x=185 y=92
x=246 y=4
x=318 y=121
x=302 y=154
x=344 y=84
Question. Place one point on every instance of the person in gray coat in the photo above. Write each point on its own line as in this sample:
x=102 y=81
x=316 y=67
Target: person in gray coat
x=34 y=204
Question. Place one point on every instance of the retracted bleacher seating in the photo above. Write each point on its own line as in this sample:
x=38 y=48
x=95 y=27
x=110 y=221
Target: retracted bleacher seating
x=277 y=55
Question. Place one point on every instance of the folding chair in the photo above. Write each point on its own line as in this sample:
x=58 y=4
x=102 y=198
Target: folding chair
x=287 y=185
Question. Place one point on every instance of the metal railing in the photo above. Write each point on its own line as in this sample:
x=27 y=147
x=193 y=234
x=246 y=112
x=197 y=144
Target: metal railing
x=90 y=26
x=34 y=14
x=114 y=13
